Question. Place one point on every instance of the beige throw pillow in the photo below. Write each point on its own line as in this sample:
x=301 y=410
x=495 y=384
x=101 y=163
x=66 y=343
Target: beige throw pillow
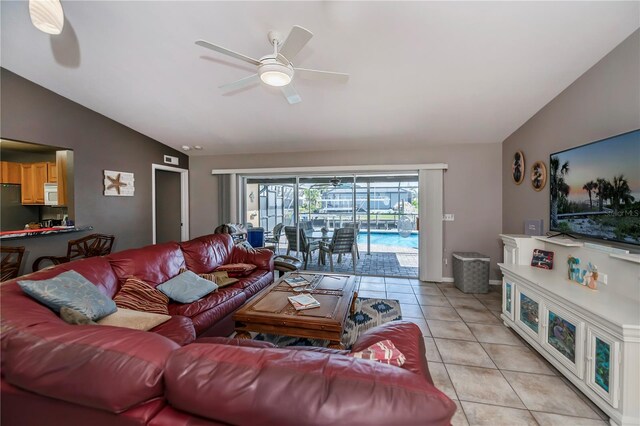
x=135 y=320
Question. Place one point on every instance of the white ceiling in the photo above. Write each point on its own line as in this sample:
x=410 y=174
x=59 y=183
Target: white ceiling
x=422 y=73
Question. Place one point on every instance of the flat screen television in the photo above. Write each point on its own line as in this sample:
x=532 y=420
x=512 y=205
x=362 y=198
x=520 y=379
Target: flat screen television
x=595 y=189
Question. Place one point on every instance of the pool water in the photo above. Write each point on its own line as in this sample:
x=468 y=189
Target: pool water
x=389 y=239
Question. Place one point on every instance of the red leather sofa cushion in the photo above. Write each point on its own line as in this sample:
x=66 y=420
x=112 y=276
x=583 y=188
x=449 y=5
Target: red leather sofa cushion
x=233 y=384
x=153 y=264
x=25 y=408
x=178 y=328
x=108 y=368
x=255 y=282
x=170 y=417
x=247 y=343
x=202 y=322
x=209 y=301
x=206 y=253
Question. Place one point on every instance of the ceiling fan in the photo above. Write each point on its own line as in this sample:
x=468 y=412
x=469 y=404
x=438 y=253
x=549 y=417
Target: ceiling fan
x=276 y=69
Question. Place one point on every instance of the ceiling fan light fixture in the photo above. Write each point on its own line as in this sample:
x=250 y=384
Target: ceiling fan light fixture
x=47 y=15
x=276 y=75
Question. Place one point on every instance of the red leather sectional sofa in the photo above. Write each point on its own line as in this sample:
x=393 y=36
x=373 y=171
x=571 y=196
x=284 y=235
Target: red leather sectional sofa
x=53 y=373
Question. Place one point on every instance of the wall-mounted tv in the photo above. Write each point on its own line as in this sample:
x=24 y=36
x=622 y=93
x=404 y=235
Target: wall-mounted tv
x=595 y=189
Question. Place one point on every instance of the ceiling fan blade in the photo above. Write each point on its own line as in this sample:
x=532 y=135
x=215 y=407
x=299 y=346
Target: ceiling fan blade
x=295 y=41
x=227 y=52
x=321 y=75
x=240 y=84
x=291 y=94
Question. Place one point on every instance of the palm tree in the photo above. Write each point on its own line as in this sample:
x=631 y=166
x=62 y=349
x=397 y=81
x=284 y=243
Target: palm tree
x=620 y=192
x=603 y=191
x=589 y=187
x=558 y=186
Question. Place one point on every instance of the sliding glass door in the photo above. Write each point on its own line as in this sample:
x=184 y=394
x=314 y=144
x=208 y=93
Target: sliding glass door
x=382 y=210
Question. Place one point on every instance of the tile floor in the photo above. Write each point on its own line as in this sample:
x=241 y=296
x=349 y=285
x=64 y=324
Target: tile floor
x=494 y=377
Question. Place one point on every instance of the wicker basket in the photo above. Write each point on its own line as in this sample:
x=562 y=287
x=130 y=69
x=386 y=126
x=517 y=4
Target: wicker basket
x=471 y=272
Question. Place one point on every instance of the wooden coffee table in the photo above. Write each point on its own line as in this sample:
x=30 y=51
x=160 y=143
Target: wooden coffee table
x=270 y=311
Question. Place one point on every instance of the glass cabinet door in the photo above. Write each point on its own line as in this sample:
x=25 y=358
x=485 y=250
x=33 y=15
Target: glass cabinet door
x=564 y=338
x=507 y=299
x=602 y=365
x=528 y=312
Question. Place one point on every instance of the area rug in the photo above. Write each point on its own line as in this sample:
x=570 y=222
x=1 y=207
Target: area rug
x=369 y=313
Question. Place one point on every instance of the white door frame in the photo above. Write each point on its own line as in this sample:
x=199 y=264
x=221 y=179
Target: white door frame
x=184 y=199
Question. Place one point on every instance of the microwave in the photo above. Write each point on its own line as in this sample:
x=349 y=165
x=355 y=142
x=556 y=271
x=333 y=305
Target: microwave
x=50 y=194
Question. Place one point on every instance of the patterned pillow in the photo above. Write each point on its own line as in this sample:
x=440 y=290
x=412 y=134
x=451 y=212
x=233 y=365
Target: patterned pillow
x=237 y=269
x=384 y=351
x=187 y=287
x=220 y=278
x=72 y=290
x=137 y=295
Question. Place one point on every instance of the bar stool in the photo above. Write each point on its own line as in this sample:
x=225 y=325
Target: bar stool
x=89 y=246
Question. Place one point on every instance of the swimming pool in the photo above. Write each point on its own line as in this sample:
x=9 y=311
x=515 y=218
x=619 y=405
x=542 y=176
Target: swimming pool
x=389 y=239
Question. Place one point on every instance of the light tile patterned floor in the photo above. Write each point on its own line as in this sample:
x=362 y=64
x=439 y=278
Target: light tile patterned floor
x=494 y=377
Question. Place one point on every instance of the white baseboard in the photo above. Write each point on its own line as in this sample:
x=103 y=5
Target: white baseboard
x=491 y=282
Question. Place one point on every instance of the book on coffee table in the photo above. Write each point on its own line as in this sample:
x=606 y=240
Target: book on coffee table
x=296 y=281
x=303 y=301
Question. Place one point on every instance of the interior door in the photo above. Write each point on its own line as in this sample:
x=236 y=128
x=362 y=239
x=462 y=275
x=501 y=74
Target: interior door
x=168 y=203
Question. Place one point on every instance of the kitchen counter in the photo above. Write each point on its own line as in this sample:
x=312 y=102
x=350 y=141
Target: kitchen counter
x=27 y=233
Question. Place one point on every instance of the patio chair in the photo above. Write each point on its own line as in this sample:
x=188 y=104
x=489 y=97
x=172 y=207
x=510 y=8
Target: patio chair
x=306 y=247
x=274 y=238
x=89 y=246
x=355 y=225
x=11 y=261
x=343 y=242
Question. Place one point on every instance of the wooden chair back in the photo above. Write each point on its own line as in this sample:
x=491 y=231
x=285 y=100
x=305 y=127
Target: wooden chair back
x=10 y=263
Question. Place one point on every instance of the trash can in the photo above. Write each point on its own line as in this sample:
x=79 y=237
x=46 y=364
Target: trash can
x=471 y=272
x=255 y=237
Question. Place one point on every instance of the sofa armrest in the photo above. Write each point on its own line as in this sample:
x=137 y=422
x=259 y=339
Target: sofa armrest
x=407 y=337
x=317 y=349
x=103 y=367
x=261 y=257
x=247 y=343
x=317 y=388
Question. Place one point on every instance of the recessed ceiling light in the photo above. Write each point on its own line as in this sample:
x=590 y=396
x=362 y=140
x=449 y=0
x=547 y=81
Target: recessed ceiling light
x=47 y=15
x=197 y=147
x=186 y=147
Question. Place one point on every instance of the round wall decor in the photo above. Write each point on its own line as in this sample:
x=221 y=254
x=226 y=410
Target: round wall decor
x=538 y=175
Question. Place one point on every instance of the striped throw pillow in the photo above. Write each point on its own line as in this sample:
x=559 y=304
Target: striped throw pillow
x=137 y=295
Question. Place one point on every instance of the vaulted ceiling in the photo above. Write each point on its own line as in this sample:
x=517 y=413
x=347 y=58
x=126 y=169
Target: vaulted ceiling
x=422 y=73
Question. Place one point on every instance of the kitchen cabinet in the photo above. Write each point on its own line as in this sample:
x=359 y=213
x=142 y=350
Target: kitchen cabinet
x=9 y=172
x=52 y=173
x=33 y=176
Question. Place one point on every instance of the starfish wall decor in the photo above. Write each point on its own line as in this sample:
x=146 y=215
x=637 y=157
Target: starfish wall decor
x=118 y=184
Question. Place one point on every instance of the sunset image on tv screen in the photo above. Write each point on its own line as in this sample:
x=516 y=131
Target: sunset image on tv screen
x=595 y=189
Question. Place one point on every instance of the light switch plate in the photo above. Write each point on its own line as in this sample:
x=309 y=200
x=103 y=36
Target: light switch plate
x=448 y=217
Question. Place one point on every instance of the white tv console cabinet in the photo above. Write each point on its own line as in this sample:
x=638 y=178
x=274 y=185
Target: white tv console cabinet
x=591 y=336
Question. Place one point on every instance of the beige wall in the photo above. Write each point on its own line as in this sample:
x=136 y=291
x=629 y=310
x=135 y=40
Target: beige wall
x=472 y=188
x=603 y=102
